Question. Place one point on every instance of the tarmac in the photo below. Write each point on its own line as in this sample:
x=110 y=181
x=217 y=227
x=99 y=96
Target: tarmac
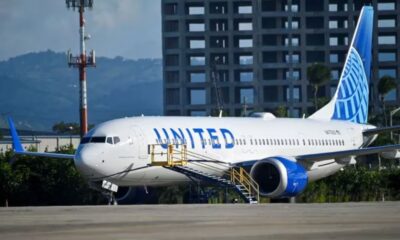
x=231 y=221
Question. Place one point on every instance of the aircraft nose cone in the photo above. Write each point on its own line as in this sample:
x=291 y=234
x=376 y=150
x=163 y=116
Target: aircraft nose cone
x=86 y=161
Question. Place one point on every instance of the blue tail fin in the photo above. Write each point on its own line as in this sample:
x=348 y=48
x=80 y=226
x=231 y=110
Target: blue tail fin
x=350 y=102
x=16 y=142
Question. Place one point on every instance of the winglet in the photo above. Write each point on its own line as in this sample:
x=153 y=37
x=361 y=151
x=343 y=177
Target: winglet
x=16 y=142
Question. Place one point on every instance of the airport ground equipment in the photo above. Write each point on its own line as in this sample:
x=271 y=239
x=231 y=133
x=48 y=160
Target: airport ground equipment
x=176 y=158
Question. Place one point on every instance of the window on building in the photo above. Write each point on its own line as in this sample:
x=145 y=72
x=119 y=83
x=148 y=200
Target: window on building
x=197 y=60
x=387 y=56
x=219 y=42
x=295 y=94
x=197 y=113
x=391 y=96
x=269 y=22
x=218 y=7
x=173 y=96
x=219 y=58
x=223 y=93
x=333 y=7
x=315 y=39
x=333 y=24
x=294 y=7
x=269 y=5
x=245 y=43
x=195 y=10
x=196 y=77
x=271 y=94
x=387 y=40
x=172 y=42
x=295 y=75
x=387 y=23
x=197 y=96
x=171 y=26
x=245 y=59
x=387 y=72
x=335 y=74
x=172 y=76
x=245 y=95
x=218 y=25
x=294 y=24
x=315 y=56
x=386 y=6
x=223 y=75
x=333 y=41
x=292 y=58
x=196 y=27
x=315 y=22
x=172 y=60
x=171 y=9
x=333 y=58
x=245 y=26
x=246 y=76
x=244 y=9
x=270 y=74
x=197 y=43
x=314 y=6
x=270 y=57
x=270 y=40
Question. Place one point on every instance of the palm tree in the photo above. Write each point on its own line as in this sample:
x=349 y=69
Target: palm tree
x=385 y=85
x=318 y=74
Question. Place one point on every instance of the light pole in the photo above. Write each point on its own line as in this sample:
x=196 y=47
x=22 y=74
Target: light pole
x=393 y=112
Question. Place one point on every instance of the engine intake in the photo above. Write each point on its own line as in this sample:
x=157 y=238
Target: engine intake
x=279 y=177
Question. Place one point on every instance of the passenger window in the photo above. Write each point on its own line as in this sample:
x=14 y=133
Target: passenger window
x=109 y=140
x=116 y=140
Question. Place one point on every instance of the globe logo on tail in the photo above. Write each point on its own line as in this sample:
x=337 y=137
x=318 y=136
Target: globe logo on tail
x=352 y=96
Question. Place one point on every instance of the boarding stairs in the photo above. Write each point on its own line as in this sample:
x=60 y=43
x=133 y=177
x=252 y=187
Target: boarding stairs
x=175 y=158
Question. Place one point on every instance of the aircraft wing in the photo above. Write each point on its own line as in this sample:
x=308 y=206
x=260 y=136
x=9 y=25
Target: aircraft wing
x=344 y=156
x=374 y=131
x=19 y=150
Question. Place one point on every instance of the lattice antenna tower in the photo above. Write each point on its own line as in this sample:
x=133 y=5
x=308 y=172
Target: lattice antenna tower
x=82 y=61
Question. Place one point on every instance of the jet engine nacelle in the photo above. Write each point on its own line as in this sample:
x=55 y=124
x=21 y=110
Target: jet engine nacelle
x=279 y=177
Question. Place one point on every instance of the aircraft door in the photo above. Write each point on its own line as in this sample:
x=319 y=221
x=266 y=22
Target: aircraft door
x=352 y=135
x=139 y=143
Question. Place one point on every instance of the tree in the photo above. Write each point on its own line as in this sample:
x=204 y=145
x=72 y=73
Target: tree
x=385 y=85
x=318 y=74
x=281 y=111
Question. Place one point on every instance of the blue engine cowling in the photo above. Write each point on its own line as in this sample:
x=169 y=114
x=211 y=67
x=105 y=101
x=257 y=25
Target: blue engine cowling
x=279 y=177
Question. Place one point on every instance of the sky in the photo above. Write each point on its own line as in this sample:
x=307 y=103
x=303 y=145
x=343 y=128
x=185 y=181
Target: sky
x=127 y=28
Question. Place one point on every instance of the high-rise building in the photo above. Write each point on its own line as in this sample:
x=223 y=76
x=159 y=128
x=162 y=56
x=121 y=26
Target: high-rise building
x=259 y=51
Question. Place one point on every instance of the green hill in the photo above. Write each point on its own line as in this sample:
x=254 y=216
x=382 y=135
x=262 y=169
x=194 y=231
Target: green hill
x=38 y=89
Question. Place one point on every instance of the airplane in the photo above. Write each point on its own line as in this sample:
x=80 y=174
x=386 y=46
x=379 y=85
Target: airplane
x=282 y=155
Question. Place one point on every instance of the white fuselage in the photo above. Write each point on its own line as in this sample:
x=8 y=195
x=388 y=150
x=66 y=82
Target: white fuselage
x=224 y=140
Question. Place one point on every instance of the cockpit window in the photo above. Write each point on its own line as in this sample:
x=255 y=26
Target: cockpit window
x=98 y=140
x=85 y=140
x=109 y=140
x=116 y=140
